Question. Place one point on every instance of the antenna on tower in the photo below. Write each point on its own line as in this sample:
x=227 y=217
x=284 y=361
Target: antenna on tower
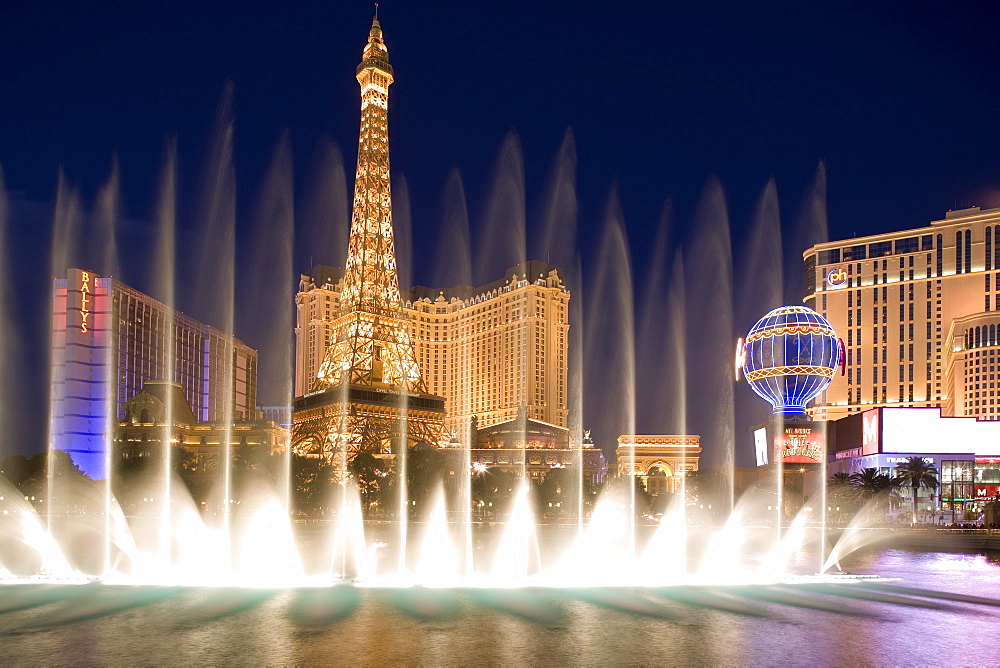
x=376 y=11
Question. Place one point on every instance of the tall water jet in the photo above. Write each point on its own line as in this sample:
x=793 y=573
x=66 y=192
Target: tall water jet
x=811 y=229
x=164 y=262
x=556 y=241
x=609 y=339
x=104 y=259
x=502 y=231
x=708 y=262
x=268 y=309
x=102 y=237
x=654 y=368
x=574 y=390
x=502 y=244
x=453 y=266
x=5 y=309
x=453 y=250
x=66 y=224
x=214 y=299
x=761 y=289
x=675 y=407
x=323 y=216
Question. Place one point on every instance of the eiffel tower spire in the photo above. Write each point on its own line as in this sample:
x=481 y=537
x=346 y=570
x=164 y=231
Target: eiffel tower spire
x=371 y=346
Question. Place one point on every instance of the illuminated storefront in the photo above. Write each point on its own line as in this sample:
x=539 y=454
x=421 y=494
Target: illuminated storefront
x=965 y=451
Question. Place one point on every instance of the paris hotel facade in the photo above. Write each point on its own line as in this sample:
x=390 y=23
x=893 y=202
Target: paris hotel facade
x=487 y=350
x=919 y=314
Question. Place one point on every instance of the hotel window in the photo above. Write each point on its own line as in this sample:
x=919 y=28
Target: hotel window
x=940 y=255
x=968 y=251
x=958 y=252
x=989 y=250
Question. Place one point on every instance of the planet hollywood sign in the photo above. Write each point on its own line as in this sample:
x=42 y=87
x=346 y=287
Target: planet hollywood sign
x=836 y=278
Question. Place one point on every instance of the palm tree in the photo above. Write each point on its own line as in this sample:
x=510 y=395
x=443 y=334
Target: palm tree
x=916 y=473
x=839 y=491
x=869 y=484
x=839 y=479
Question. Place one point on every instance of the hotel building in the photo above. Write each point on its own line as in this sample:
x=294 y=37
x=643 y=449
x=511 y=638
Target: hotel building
x=486 y=350
x=377 y=367
x=916 y=311
x=108 y=339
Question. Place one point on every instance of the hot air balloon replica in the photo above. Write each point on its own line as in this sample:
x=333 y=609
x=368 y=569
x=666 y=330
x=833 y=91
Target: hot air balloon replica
x=789 y=357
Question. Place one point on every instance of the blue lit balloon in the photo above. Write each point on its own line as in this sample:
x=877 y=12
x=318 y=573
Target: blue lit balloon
x=789 y=357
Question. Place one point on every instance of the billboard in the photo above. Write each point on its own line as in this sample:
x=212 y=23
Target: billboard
x=870 y=434
x=760 y=445
x=925 y=431
x=800 y=442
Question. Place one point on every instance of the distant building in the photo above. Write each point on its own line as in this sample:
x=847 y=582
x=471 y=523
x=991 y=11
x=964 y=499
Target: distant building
x=486 y=350
x=530 y=447
x=108 y=339
x=160 y=412
x=970 y=366
x=659 y=461
x=914 y=309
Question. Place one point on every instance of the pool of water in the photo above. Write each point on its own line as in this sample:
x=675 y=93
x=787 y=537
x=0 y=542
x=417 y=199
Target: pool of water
x=929 y=608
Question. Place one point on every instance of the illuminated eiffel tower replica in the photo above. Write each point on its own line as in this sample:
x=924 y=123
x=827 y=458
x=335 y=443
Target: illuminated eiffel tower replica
x=369 y=394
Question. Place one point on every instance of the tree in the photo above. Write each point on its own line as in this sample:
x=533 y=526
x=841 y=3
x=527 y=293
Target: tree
x=372 y=476
x=424 y=473
x=492 y=486
x=618 y=488
x=841 y=493
x=870 y=484
x=707 y=487
x=840 y=479
x=311 y=482
x=916 y=473
x=557 y=492
x=16 y=468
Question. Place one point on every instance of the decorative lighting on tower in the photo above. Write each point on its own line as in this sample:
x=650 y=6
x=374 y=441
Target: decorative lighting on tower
x=371 y=346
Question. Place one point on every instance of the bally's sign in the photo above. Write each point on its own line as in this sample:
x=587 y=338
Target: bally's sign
x=836 y=278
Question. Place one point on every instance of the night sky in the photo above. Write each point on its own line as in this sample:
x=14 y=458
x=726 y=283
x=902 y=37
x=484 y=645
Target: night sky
x=902 y=107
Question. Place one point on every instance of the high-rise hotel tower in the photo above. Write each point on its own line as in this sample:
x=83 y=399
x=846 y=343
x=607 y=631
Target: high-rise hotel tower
x=108 y=339
x=918 y=313
x=373 y=364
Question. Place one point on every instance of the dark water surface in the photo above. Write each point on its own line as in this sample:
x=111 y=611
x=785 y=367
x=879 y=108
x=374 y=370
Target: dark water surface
x=943 y=610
